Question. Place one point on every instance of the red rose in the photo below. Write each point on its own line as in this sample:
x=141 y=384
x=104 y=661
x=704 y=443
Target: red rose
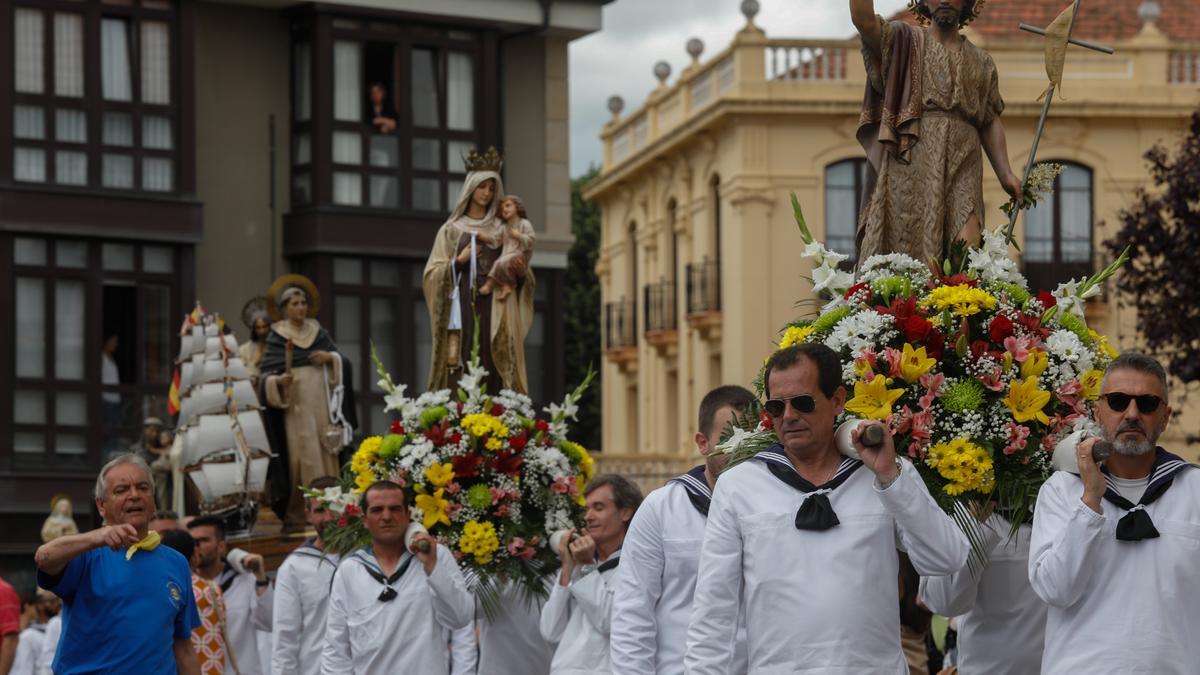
x=466 y=466
x=352 y=510
x=519 y=441
x=397 y=427
x=1047 y=299
x=935 y=344
x=507 y=462
x=542 y=426
x=342 y=521
x=455 y=438
x=497 y=410
x=765 y=420
x=979 y=348
x=1000 y=328
x=916 y=329
x=858 y=287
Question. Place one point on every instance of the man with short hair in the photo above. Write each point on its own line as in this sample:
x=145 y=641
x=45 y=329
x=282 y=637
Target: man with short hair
x=164 y=520
x=661 y=553
x=46 y=606
x=126 y=605
x=247 y=593
x=302 y=594
x=803 y=543
x=578 y=615
x=391 y=610
x=1114 y=547
x=10 y=626
x=208 y=639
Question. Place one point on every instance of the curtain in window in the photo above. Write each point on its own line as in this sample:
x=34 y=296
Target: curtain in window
x=69 y=330
x=29 y=73
x=841 y=214
x=70 y=126
x=68 y=55
x=347 y=188
x=116 y=82
x=347 y=147
x=70 y=168
x=156 y=133
x=302 y=84
x=157 y=174
x=29 y=164
x=118 y=129
x=1039 y=230
x=347 y=81
x=424 y=94
x=460 y=92
x=1075 y=193
x=31 y=327
x=29 y=122
x=156 y=63
x=117 y=171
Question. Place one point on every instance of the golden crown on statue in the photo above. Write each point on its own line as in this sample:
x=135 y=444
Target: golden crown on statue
x=488 y=161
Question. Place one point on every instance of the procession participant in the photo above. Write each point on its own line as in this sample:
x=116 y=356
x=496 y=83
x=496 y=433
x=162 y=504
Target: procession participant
x=50 y=638
x=996 y=607
x=653 y=598
x=511 y=643
x=164 y=520
x=45 y=605
x=302 y=595
x=10 y=625
x=126 y=607
x=392 y=610
x=1113 y=548
x=247 y=593
x=208 y=639
x=804 y=545
x=578 y=614
x=463 y=655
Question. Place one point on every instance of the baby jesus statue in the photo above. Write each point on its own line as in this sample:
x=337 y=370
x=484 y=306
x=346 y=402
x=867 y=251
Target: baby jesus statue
x=516 y=237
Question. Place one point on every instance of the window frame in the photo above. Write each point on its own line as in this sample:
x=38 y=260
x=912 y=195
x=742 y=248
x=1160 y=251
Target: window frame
x=859 y=165
x=1047 y=274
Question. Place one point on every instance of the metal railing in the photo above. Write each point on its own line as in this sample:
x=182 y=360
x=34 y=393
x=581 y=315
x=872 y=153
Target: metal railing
x=658 y=303
x=704 y=286
x=620 y=324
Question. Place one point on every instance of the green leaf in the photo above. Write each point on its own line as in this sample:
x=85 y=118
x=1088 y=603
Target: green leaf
x=805 y=234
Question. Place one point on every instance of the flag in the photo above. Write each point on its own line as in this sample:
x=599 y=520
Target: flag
x=173 y=394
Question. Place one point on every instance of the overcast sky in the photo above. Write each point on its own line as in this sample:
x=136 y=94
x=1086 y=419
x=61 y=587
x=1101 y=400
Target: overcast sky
x=620 y=58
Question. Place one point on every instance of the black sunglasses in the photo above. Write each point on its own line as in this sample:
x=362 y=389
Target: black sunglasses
x=803 y=403
x=1118 y=402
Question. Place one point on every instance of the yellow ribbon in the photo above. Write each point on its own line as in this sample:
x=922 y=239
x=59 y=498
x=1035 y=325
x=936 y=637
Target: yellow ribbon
x=150 y=543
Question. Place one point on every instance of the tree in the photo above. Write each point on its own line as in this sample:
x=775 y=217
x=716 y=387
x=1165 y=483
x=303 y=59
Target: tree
x=1162 y=230
x=582 y=320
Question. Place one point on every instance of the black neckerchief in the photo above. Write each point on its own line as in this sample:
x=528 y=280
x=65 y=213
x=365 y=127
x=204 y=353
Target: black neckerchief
x=1137 y=525
x=696 y=485
x=816 y=513
x=226 y=578
x=366 y=557
x=612 y=562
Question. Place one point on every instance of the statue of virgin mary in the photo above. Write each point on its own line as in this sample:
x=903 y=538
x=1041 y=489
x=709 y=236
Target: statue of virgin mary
x=466 y=246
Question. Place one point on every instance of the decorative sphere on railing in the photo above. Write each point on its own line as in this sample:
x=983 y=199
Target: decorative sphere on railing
x=662 y=70
x=615 y=105
x=1149 y=11
x=749 y=9
x=695 y=47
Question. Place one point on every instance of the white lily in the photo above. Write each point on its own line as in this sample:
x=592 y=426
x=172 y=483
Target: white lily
x=395 y=400
x=830 y=278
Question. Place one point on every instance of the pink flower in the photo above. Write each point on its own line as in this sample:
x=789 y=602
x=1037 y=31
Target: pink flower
x=453 y=487
x=1017 y=435
x=562 y=486
x=933 y=384
x=913 y=449
x=993 y=379
x=497 y=494
x=1018 y=347
x=893 y=356
x=922 y=426
x=502 y=511
x=518 y=549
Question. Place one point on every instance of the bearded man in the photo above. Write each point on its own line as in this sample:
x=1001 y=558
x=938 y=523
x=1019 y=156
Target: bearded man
x=932 y=101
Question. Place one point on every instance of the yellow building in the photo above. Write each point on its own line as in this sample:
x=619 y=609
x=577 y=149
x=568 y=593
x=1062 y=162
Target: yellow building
x=700 y=264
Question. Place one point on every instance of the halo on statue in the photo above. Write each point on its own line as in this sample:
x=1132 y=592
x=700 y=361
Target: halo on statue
x=288 y=281
x=920 y=10
x=254 y=306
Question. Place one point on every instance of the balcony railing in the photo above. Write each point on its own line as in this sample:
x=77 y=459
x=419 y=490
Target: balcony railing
x=703 y=287
x=803 y=61
x=659 y=306
x=1183 y=67
x=620 y=324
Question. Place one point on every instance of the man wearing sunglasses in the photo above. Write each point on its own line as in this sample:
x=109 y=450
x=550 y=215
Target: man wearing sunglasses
x=803 y=541
x=1114 y=547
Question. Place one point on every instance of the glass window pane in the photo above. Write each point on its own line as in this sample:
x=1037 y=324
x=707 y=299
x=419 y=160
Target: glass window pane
x=1075 y=177
x=28 y=45
x=68 y=54
x=70 y=126
x=347 y=147
x=1039 y=231
x=427 y=194
x=302 y=80
x=156 y=333
x=117 y=257
x=32 y=443
x=156 y=62
x=68 y=330
x=29 y=164
x=29 y=122
x=69 y=444
x=460 y=92
x=426 y=154
x=70 y=409
x=385 y=191
x=118 y=129
x=385 y=273
x=347 y=313
x=453 y=187
x=384 y=151
x=384 y=329
x=117 y=171
x=455 y=152
x=301 y=149
x=347 y=271
x=115 y=76
x=31 y=327
x=157 y=259
x=70 y=253
x=157 y=174
x=423 y=339
x=70 y=168
x=347 y=81
x=301 y=189
x=156 y=132
x=29 y=407
x=347 y=189
x=424 y=93
x=29 y=251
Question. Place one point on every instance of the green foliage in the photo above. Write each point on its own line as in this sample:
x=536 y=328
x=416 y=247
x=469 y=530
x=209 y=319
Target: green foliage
x=581 y=318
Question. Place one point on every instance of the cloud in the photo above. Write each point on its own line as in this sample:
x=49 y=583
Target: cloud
x=619 y=59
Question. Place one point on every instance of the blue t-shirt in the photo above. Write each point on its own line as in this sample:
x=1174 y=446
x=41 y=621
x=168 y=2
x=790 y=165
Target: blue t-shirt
x=123 y=616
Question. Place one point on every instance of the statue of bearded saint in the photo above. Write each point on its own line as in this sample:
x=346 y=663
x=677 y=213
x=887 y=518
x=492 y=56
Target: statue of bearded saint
x=466 y=247
x=932 y=103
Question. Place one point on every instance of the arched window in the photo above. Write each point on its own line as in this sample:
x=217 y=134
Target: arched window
x=843 y=199
x=1058 y=231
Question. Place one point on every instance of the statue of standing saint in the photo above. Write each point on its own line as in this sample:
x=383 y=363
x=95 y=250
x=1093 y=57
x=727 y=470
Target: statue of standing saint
x=466 y=247
x=932 y=101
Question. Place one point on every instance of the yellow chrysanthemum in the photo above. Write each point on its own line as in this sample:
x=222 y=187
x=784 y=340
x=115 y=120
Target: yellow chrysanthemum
x=440 y=475
x=914 y=363
x=480 y=540
x=434 y=507
x=480 y=425
x=494 y=444
x=362 y=464
x=962 y=300
x=873 y=400
x=1035 y=365
x=1090 y=381
x=1025 y=401
x=966 y=465
x=1101 y=342
x=794 y=335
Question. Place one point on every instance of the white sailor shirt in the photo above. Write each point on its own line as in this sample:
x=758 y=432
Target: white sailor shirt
x=49 y=645
x=579 y=616
x=246 y=613
x=301 y=600
x=512 y=643
x=29 y=648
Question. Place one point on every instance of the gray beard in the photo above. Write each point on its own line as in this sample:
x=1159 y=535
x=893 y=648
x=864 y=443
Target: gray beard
x=1132 y=448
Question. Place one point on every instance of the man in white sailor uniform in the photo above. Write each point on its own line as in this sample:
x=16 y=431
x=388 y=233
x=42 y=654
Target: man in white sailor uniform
x=802 y=541
x=1115 y=547
x=392 y=610
x=302 y=595
x=510 y=642
x=661 y=554
x=578 y=614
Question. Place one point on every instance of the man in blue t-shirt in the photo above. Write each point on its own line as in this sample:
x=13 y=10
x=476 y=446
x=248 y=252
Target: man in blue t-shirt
x=127 y=602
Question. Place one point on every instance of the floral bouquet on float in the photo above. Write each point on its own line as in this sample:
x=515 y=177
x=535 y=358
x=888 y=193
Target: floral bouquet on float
x=976 y=376
x=488 y=479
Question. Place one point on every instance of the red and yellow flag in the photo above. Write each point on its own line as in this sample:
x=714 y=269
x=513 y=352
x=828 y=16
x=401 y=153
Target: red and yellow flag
x=173 y=394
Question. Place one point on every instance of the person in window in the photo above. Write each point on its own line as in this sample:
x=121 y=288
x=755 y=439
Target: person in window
x=380 y=112
x=110 y=375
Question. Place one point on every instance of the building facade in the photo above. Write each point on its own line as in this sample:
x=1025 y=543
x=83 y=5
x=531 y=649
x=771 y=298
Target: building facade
x=700 y=267
x=157 y=153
